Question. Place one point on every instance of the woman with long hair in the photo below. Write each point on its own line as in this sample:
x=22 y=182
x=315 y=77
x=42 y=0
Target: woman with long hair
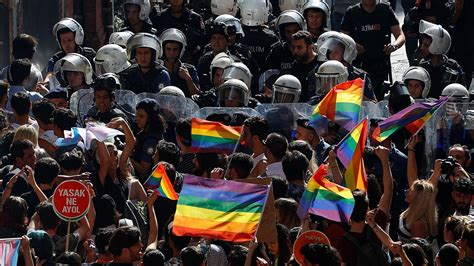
x=29 y=132
x=420 y=218
x=151 y=127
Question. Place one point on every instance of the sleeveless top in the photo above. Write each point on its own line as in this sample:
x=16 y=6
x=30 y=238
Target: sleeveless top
x=404 y=234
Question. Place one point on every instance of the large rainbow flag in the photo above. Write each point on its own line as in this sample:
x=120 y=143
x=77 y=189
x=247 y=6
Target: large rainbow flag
x=342 y=104
x=350 y=152
x=160 y=183
x=209 y=136
x=413 y=118
x=219 y=209
x=326 y=199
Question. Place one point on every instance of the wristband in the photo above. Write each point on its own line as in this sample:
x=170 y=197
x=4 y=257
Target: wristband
x=411 y=150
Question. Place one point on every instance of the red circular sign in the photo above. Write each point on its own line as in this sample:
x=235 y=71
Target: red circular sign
x=71 y=200
x=313 y=237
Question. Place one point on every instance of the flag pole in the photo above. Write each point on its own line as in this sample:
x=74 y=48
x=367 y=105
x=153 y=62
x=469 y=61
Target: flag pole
x=67 y=235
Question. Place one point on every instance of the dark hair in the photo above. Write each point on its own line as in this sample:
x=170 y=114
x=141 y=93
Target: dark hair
x=69 y=258
x=62 y=31
x=280 y=186
x=191 y=256
x=374 y=192
x=24 y=46
x=168 y=152
x=303 y=147
x=153 y=257
x=277 y=145
x=72 y=160
x=47 y=216
x=257 y=126
x=17 y=149
x=463 y=185
x=18 y=71
x=323 y=23
x=43 y=111
x=237 y=255
x=108 y=214
x=425 y=246
x=305 y=35
x=242 y=164
x=183 y=131
x=123 y=237
x=361 y=206
x=284 y=250
x=155 y=124
x=46 y=170
x=448 y=255
x=179 y=242
x=415 y=253
x=14 y=213
x=21 y=103
x=102 y=239
x=321 y=254
x=468 y=234
x=295 y=164
x=207 y=162
x=64 y=118
x=467 y=152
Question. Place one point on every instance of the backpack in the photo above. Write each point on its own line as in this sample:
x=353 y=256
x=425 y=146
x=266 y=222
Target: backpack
x=368 y=253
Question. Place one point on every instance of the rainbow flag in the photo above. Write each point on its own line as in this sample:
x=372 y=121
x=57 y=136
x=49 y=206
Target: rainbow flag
x=413 y=118
x=219 y=209
x=350 y=152
x=160 y=183
x=326 y=199
x=9 y=248
x=208 y=136
x=342 y=104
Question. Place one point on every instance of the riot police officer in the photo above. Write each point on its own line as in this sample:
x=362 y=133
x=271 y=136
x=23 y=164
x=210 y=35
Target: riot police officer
x=70 y=37
x=286 y=89
x=189 y=22
x=76 y=71
x=137 y=16
x=259 y=39
x=183 y=76
x=147 y=74
x=281 y=57
x=111 y=58
x=443 y=71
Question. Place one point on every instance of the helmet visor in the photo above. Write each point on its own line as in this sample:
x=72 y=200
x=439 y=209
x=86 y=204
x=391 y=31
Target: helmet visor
x=324 y=83
x=333 y=49
x=231 y=96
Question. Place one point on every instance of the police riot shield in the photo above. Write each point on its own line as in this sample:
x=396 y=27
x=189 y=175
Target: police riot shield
x=282 y=117
x=126 y=101
x=80 y=102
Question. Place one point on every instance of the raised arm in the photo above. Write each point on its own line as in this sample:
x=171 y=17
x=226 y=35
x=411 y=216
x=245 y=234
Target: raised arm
x=412 y=169
x=120 y=123
x=153 y=236
x=334 y=167
x=386 y=199
x=104 y=158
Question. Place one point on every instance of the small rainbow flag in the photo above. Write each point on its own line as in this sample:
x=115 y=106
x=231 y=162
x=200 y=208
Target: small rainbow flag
x=350 y=152
x=413 y=118
x=326 y=199
x=160 y=183
x=219 y=209
x=209 y=136
x=342 y=104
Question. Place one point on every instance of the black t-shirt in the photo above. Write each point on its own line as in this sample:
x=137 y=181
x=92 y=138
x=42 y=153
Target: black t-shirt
x=259 y=40
x=371 y=30
x=280 y=57
x=305 y=73
x=32 y=200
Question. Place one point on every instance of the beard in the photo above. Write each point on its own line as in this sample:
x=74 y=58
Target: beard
x=301 y=58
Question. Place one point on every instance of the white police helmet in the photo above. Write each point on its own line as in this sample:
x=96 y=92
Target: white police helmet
x=420 y=74
x=286 y=89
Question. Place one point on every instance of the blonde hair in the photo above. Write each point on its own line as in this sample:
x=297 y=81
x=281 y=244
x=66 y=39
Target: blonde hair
x=423 y=206
x=26 y=132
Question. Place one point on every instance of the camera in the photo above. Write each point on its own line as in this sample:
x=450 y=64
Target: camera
x=447 y=165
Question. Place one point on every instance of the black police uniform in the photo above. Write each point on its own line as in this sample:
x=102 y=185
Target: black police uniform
x=153 y=81
x=259 y=40
x=190 y=23
x=306 y=74
x=147 y=28
x=280 y=57
x=372 y=31
x=441 y=76
x=203 y=69
x=106 y=117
